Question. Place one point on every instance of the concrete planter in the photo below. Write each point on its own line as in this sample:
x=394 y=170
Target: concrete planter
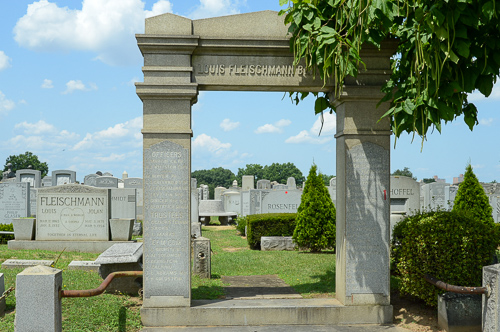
x=121 y=229
x=24 y=228
x=459 y=312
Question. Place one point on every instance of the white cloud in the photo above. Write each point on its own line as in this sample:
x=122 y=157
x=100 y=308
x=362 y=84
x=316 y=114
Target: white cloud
x=204 y=142
x=311 y=136
x=74 y=85
x=125 y=133
x=476 y=96
x=4 y=61
x=5 y=104
x=160 y=7
x=104 y=27
x=47 y=84
x=227 y=125
x=112 y=157
x=212 y=8
x=477 y=166
x=41 y=127
x=486 y=122
x=273 y=128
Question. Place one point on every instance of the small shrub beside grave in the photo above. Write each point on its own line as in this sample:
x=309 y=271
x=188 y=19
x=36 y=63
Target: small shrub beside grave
x=269 y=224
x=241 y=223
x=6 y=237
x=449 y=246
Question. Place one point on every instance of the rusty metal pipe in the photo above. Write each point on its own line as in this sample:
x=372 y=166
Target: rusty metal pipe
x=99 y=290
x=455 y=289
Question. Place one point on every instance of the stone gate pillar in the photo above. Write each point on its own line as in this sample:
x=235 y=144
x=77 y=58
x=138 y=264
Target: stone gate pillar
x=167 y=94
x=363 y=186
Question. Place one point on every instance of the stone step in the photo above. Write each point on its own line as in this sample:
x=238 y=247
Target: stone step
x=280 y=328
x=265 y=312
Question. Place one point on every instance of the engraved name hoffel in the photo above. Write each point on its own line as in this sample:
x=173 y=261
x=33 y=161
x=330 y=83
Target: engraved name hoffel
x=166 y=227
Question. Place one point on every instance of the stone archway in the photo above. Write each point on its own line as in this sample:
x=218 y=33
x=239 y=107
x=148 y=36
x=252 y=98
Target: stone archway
x=250 y=52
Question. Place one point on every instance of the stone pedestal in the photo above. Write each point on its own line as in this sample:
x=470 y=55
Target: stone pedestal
x=202 y=257
x=38 y=306
x=121 y=229
x=363 y=165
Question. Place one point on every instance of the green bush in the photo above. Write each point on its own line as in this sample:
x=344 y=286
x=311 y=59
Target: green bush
x=6 y=237
x=316 y=215
x=269 y=224
x=471 y=198
x=241 y=223
x=449 y=246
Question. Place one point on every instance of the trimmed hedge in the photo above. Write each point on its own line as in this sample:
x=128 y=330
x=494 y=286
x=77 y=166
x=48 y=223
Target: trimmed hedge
x=269 y=224
x=241 y=222
x=449 y=246
x=6 y=237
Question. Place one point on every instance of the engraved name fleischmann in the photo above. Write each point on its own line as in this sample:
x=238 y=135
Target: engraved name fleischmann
x=72 y=201
x=250 y=70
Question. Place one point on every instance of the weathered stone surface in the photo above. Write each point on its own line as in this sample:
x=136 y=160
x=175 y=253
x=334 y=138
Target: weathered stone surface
x=459 y=312
x=121 y=229
x=72 y=212
x=14 y=263
x=122 y=257
x=277 y=243
x=202 y=257
x=491 y=303
x=32 y=176
x=38 y=305
x=14 y=201
x=84 y=265
x=24 y=228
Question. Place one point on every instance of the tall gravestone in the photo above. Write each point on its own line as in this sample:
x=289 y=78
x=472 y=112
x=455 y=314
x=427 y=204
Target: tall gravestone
x=32 y=176
x=14 y=201
x=89 y=180
x=60 y=177
x=138 y=185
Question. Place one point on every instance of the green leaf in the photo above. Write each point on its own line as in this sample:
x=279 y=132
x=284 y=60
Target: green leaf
x=488 y=10
x=283 y=2
x=470 y=115
x=320 y=105
x=484 y=84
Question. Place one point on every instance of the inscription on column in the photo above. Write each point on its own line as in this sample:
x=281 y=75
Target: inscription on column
x=367 y=220
x=166 y=220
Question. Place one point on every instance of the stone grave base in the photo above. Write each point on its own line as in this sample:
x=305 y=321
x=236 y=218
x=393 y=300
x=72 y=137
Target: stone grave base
x=265 y=312
x=81 y=246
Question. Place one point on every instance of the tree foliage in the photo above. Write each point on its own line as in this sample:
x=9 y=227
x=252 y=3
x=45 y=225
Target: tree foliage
x=405 y=172
x=213 y=178
x=471 y=198
x=316 y=215
x=274 y=172
x=23 y=161
x=428 y=180
x=446 y=50
x=327 y=178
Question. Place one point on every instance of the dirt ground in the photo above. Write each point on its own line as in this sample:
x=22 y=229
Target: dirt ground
x=414 y=315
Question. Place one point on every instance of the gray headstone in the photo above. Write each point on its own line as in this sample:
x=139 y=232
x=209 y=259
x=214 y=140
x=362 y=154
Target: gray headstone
x=72 y=212
x=106 y=182
x=33 y=193
x=107 y=174
x=405 y=194
x=232 y=201
x=290 y=183
x=14 y=201
x=122 y=257
x=33 y=177
x=263 y=184
x=245 y=203
x=247 y=182
x=277 y=243
x=194 y=202
x=123 y=203
x=89 y=180
x=205 y=192
x=47 y=181
x=274 y=201
x=218 y=193
x=137 y=184
x=61 y=177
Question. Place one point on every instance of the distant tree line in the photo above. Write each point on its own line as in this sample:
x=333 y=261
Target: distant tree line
x=275 y=172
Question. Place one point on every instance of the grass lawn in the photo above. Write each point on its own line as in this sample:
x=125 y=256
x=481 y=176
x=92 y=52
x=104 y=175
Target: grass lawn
x=309 y=274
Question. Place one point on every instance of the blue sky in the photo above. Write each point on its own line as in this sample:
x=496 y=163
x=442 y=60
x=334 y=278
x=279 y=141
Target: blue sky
x=67 y=73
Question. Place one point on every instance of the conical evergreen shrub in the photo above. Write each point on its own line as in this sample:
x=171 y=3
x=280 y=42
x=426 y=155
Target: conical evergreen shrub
x=471 y=198
x=315 y=216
